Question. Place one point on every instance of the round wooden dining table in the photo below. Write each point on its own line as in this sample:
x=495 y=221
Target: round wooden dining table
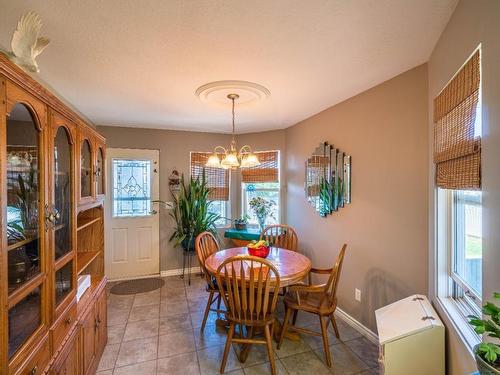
x=291 y=265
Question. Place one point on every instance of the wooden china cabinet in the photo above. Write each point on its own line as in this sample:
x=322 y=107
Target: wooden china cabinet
x=52 y=232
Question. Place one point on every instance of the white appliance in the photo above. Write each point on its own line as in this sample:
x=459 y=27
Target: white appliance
x=412 y=338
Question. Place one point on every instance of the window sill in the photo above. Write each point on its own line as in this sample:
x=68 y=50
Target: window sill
x=459 y=323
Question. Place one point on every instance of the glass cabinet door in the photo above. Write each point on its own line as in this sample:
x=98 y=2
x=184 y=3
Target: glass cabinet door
x=23 y=197
x=24 y=229
x=86 y=170
x=100 y=171
x=64 y=281
x=62 y=192
x=24 y=318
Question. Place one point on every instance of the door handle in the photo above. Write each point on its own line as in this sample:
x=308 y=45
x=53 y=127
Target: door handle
x=153 y=212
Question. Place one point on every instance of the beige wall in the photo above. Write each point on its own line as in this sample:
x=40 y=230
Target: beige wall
x=384 y=129
x=174 y=149
x=472 y=23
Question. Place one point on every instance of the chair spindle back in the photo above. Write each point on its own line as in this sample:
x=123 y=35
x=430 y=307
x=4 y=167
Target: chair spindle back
x=250 y=288
x=333 y=279
x=280 y=235
x=205 y=245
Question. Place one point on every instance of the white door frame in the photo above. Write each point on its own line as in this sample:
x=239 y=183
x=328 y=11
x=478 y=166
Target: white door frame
x=132 y=242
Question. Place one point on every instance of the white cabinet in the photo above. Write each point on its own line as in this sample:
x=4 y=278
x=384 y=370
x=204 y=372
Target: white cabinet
x=411 y=338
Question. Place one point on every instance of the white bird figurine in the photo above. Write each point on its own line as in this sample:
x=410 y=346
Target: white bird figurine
x=25 y=44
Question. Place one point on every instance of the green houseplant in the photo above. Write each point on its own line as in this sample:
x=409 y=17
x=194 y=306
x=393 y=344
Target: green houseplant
x=488 y=353
x=191 y=214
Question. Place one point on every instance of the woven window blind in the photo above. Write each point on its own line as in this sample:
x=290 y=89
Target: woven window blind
x=217 y=178
x=267 y=171
x=457 y=150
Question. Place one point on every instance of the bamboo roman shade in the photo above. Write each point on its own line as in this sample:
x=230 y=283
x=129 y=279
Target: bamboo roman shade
x=267 y=171
x=457 y=147
x=217 y=178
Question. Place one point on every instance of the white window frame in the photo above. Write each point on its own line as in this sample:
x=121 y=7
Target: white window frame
x=244 y=198
x=456 y=308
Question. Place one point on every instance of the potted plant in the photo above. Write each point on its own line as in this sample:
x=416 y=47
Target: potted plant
x=262 y=208
x=191 y=213
x=241 y=223
x=488 y=353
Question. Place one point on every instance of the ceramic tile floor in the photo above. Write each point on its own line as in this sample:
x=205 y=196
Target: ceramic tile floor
x=158 y=333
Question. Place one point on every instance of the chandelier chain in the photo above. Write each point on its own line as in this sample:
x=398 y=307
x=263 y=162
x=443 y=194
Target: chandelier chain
x=232 y=99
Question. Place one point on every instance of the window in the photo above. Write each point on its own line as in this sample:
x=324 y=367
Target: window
x=131 y=187
x=466 y=257
x=218 y=182
x=267 y=190
x=262 y=181
x=457 y=155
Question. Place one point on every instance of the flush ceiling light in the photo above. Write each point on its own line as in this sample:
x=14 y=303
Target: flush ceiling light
x=231 y=157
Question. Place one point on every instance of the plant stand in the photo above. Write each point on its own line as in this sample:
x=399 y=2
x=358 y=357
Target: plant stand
x=187 y=255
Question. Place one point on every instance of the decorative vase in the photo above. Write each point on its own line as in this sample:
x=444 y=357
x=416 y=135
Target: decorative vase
x=262 y=222
x=484 y=367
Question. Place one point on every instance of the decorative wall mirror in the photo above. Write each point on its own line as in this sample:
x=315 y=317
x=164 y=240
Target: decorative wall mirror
x=328 y=179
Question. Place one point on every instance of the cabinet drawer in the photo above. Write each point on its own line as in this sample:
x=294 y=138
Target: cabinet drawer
x=38 y=361
x=62 y=326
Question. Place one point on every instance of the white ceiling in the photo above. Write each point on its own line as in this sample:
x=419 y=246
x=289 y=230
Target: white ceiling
x=138 y=63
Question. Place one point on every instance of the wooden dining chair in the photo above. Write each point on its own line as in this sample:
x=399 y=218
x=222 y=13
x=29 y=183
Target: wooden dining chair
x=249 y=287
x=315 y=299
x=205 y=245
x=280 y=235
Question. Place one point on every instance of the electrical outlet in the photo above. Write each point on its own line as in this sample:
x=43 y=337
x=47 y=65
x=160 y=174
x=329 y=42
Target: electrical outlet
x=357 y=295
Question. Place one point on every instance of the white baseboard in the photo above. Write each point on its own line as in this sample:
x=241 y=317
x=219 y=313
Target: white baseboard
x=368 y=333
x=178 y=271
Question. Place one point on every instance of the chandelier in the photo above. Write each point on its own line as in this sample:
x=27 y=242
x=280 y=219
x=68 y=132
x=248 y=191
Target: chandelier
x=232 y=158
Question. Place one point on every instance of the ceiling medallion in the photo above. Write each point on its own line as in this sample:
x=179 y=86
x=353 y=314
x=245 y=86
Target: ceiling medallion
x=231 y=157
x=217 y=92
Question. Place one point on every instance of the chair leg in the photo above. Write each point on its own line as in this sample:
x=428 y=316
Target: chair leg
x=270 y=349
x=285 y=326
x=207 y=310
x=227 y=347
x=326 y=346
x=294 y=319
x=246 y=347
x=219 y=298
x=335 y=328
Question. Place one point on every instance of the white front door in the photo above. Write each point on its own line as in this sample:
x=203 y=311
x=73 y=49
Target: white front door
x=132 y=224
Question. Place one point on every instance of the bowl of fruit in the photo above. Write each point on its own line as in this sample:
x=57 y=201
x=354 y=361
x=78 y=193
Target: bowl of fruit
x=259 y=248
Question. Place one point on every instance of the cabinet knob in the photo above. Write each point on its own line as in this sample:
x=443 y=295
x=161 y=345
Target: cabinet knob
x=34 y=370
x=69 y=320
